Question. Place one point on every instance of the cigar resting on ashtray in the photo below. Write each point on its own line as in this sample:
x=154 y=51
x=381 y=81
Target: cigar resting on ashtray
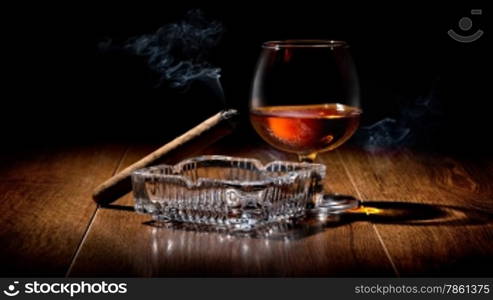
x=192 y=141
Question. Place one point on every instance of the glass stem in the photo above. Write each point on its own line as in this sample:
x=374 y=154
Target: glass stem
x=309 y=158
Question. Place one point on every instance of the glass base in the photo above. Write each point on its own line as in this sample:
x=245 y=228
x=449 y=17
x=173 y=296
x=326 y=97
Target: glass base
x=333 y=204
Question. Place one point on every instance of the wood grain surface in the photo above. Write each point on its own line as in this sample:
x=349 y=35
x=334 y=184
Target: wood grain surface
x=44 y=205
x=424 y=215
x=436 y=211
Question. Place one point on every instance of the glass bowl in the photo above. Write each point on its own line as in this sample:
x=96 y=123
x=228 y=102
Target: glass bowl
x=231 y=192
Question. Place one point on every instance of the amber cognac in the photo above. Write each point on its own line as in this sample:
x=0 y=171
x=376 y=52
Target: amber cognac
x=306 y=129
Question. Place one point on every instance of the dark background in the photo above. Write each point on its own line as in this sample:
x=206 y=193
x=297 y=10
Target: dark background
x=62 y=88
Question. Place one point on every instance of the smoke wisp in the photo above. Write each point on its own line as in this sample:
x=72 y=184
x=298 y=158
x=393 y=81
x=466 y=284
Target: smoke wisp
x=179 y=51
x=418 y=123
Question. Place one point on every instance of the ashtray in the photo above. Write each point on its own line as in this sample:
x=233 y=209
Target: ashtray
x=231 y=192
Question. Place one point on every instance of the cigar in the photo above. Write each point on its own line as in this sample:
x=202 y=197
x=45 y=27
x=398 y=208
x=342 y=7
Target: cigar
x=192 y=141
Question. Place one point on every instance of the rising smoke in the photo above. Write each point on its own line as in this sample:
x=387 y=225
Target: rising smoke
x=418 y=124
x=178 y=52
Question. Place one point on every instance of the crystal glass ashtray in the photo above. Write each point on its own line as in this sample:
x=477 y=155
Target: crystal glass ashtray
x=235 y=193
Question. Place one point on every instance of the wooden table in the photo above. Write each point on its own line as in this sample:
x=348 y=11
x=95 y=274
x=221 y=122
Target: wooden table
x=425 y=215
